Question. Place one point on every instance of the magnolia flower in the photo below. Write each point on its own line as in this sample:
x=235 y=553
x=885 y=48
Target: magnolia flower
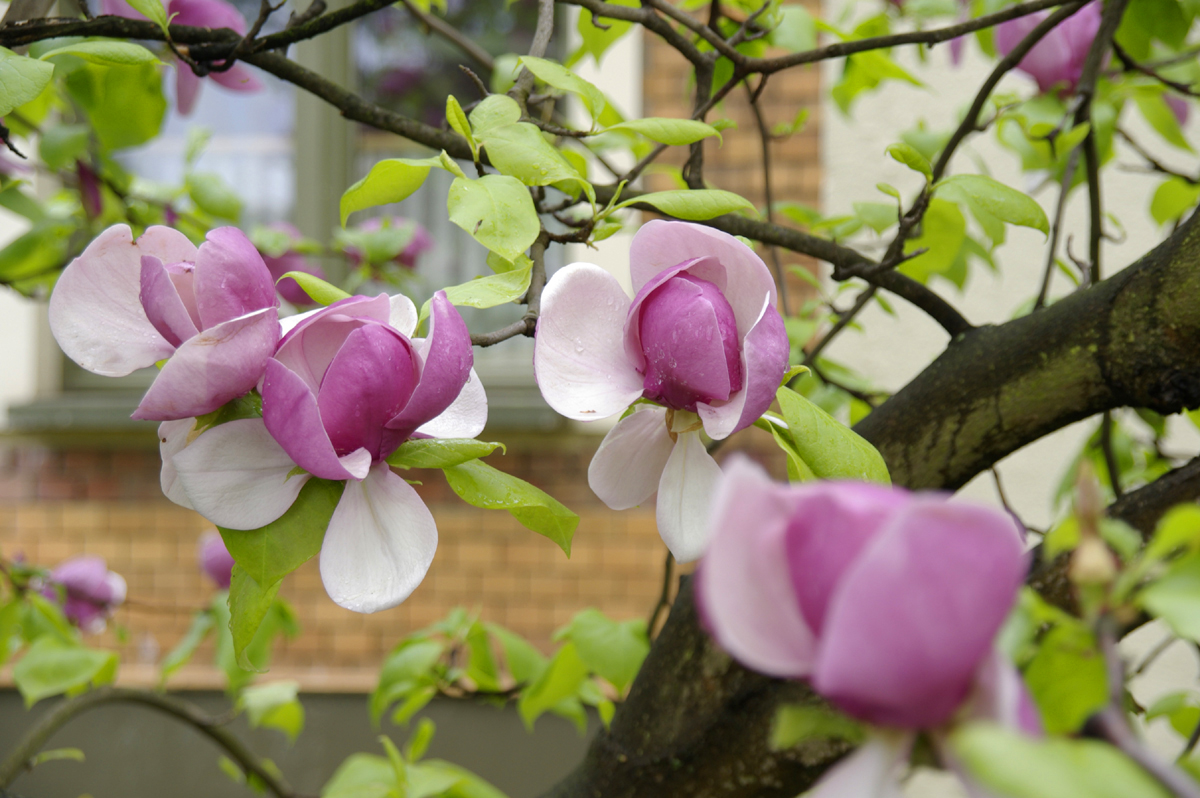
x=215 y=560
x=197 y=14
x=1057 y=60
x=345 y=389
x=887 y=602
x=89 y=592
x=124 y=305
x=406 y=257
x=701 y=339
x=291 y=261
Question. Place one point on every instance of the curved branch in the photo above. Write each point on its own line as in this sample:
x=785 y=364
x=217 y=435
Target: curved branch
x=183 y=711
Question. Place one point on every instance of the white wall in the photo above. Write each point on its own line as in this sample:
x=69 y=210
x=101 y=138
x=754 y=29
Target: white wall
x=22 y=332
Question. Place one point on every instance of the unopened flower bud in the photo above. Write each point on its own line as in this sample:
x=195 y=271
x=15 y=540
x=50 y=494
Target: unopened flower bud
x=1092 y=563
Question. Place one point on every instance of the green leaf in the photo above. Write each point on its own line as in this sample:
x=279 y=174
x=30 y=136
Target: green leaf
x=481 y=665
x=10 y=629
x=879 y=216
x=865 y=71
x=558 y=76
x=61 y=145
x=53 y=666
x=125 y=104
x=829 y=448
x=524 y=661
x=943 y=233
x=669 y=131
x=202 y=624
x=1001 y=201
x=1172 y=199
x=796 y=31
x=151 y=9
x=1067 y=678
x=21 y=79
x=488 y=291
x=459 y=124
x=1011 y=764
x=797 y=469
x=693 y=205
x=1160 y=117
x=408 y=668
x=1175 y=597
x=520 y=150
x=269 y=553
x=796 y=723
x=497 y=211
x=596 y=40
x=106 y=52
x=249 y=606
x=318 y=290
x=440 y=452
x=493 y=111
x=1178 y=529
x=274 y=706
x=363 y=776
x=908 y=155
x=212 y=195
x=480 y=485
x=388 y=181
x=560 y=680
x=611 y=649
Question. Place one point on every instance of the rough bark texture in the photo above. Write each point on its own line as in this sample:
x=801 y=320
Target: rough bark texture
x=696 y=725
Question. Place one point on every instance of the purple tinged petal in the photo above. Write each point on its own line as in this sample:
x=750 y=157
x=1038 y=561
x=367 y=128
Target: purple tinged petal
x=579 y=355
x=91 y=591
x=447 y=359
x=912 y=619
x=874 y=770
x=231 y=279
x=1000 y=696
x=119 y=8
x=187 y=89
x=765 y=353
x=370 y=379
x=214 y=559
x=95 y=311
x=291 y=415
x=169 y=246
x=237 y=78
x=685 y=493
x=89 y=191
x=1178 y=106
x=744 y=589
x=466 y=416
x=310 y=354
x=162 y=303
x=421 y=241
x=211 y=368
x=627 y=467
x=1056 y=60
x=708 y=269
x=237 y=476
x=379 y=544
x=207 y=14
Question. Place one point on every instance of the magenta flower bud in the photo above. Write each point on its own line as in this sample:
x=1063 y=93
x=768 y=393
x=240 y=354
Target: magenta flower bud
x=124 y=305
x=89 y=592
x=215 y=560
x=89 y=190
x=421 y=241
x=291 y=261
x=1178 y=106
x=689 y=342
x=888 y=602
x=1055 y=62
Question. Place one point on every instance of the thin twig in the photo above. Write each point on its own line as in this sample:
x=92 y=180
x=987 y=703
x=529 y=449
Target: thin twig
x=452 y=35
x=537 y=49
x=764 y=136
x=1134 y=66
x=842 y=323
x=527 y=324
x=664 y=598
x=1154 y=654
x=1056 y=230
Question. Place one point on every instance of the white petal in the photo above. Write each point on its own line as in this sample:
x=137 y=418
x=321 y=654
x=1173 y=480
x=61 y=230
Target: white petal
x=288 y=322
x=873 y=771
x=358 y=462
x=465 y=417
x=403 y=314
x=96 y=310
x=379 y=544
x=116 y=583
x=579 y=355
x=684 y=495
x=172 y=438
x=626 y=468
x=236 y=475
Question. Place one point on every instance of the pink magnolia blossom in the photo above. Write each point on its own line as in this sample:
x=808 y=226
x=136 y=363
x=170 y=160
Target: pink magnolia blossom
x=124 y=305
x=888 y=602
x=1057 y=60
x=346 y=387
x=90 y=593
x=420 y=242
x=197 y=14
x=701 y=339
x=291 y=261
x=215 y=560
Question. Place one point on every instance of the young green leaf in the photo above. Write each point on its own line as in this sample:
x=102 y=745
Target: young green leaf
x=274 y=706
x=480 y=485
x=249 y=606
x=830 y=449
x=1001 y=201
x=459 y=124
x=487 y=291
x=522 y=151
x=611 y=649
x=693 y=205
x=388 y=181
x=21 y=79
x=1175 y=597
x=440 y=452
x=151 y=9
x=318 y=290
x=52 y=666
x=669 y=131
x=558 y=76
x=202 y=624
x=908 y=155
x=795 y=723
x=560 y=680
x=214 y=196
x=497 y=211
x=106 y=53
x=493 y=111
x=1172 y=199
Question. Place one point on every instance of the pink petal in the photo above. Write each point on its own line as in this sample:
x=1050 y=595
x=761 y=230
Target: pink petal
x=231 y=279
x=685 y=492
x=379 y=544
x=207 y=14
x=95 y=311
x=744 y=588
x=765 y=354
x=291 y=415
x=912 y=619
x=315 y=337
x=660 y=245
x=172 y=438
x=237 y=476
x=627 y=467
x=237 y=78
x=187 y=89
x=579 y=356
x=370 y=379
x=708 y=269
x=872 y=771
x=465 y=417
x=448 y=357
x=215 y=560
x=162 y=304
x=118 y=8
x=832 y=522
x=1000 y=696
x=211 y=368
x=169 y=246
